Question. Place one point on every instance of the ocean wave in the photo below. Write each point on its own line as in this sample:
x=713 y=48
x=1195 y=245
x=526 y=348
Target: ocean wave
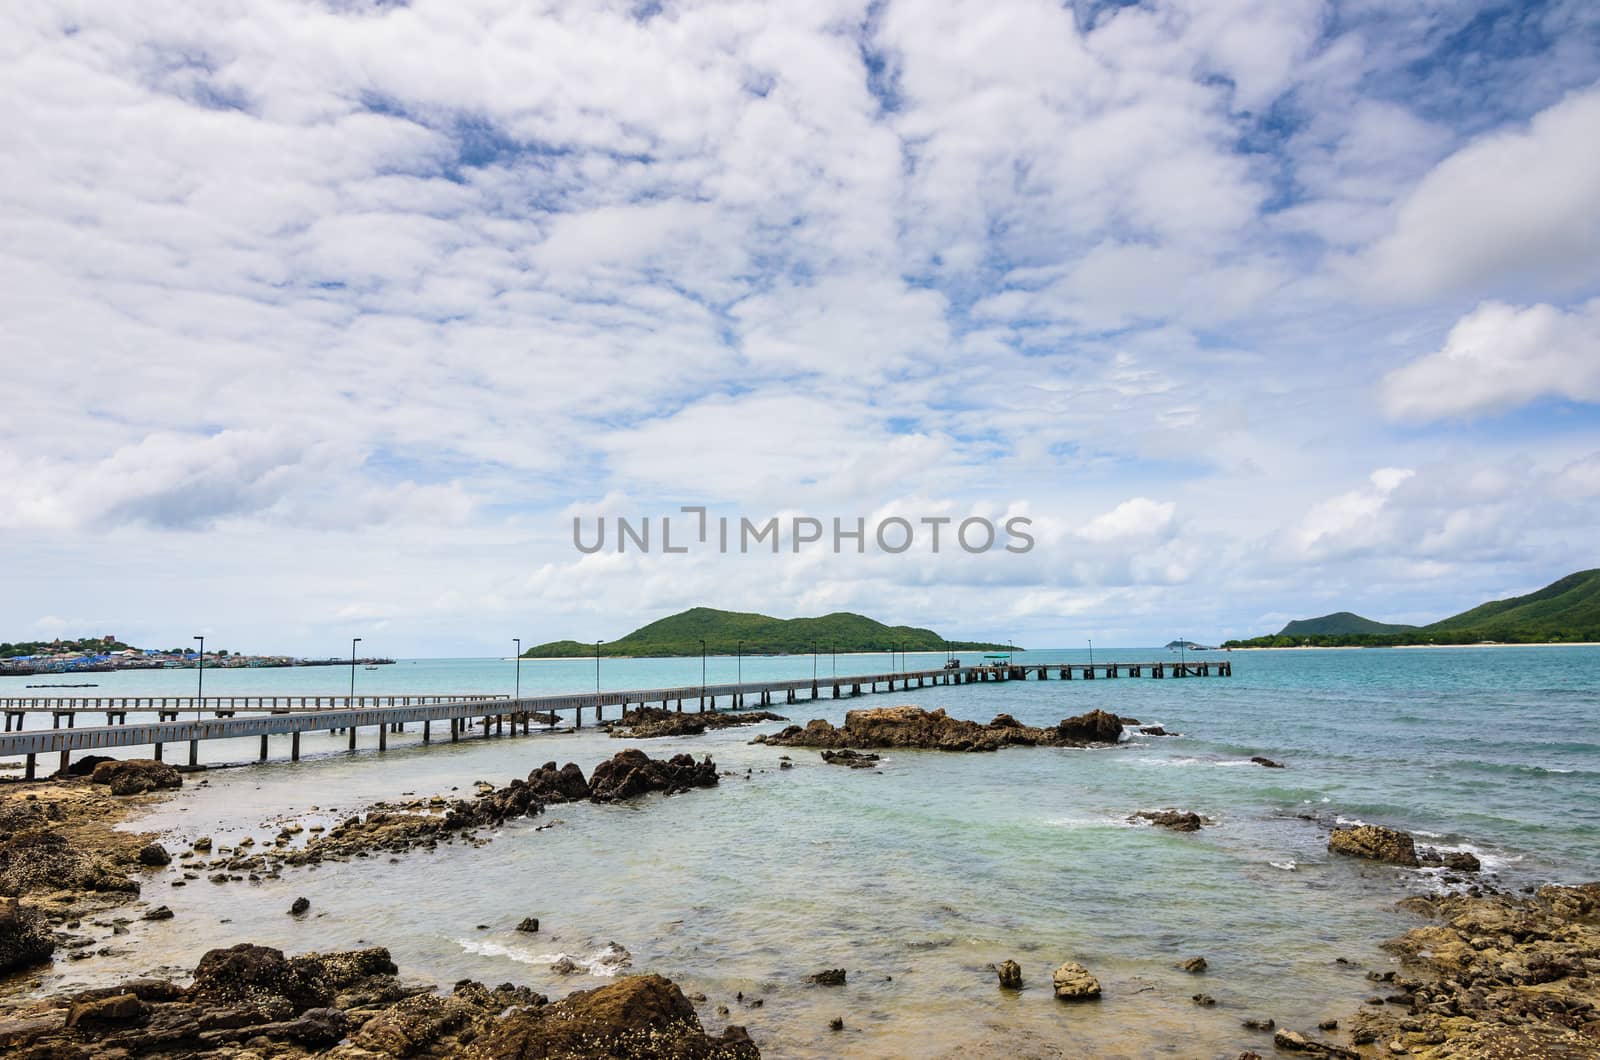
x=605 y=962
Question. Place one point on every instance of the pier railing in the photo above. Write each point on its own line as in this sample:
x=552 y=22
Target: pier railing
x=279 y=715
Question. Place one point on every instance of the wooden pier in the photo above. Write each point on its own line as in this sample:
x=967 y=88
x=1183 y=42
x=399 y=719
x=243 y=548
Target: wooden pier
x=265 y=716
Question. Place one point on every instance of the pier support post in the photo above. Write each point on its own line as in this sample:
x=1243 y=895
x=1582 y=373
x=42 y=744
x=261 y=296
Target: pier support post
x=455 y=730
x=66 y=760
x=383 y=737
x=30 y=772
x=194 y=753
x=263 y=747
x=158 y=752
x=294 y=747
x=352 y=732
x=427 y=731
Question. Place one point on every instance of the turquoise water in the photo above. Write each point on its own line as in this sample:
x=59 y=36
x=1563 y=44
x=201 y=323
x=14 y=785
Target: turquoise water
x=916 y=876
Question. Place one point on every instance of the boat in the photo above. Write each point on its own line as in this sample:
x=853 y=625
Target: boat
x=372 y=666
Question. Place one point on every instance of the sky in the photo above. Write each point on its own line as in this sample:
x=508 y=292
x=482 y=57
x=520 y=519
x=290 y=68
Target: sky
x=329 y=319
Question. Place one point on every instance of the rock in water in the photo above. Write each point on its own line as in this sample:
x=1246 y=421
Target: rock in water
x=1010 y=975
x=25 y=937
x=830 y=977
x=559 y=785
x=1267 y=762
x=1177 y=820
x=1194 y=965
x=530 y=924
x=641 y=1015
x=1097 y=726
x=908 y=726
x=135 y=776
x=1074 y=983
x=299 y=906
x=632 y=772
x=1375 y=843
x=154 y=855
x=853 y=759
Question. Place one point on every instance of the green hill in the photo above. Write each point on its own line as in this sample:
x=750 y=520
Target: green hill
x=725 y=632
x=1565 y=610
x=1337 y=624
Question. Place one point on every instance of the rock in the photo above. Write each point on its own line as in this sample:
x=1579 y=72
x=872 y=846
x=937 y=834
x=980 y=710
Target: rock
x=529 y=924
x=1375 y=843
x=1073 y=982
x=1259 y=1025
x=1267 y=762
x=1097 y=726
x=25 y=937
x=646 y=723
x=836 y=1024
x=566 y=966
x=1203 y=1000
x=1010 y=975
x=299 y=906
x=42 y=859
x=1194 y=965
x=829 y=977
x=202 y=845
x=640 y=1015
x=1154 y=730
x=559 y=785
x=1294 y=1042
x=1461 y=861
x=1177 y=820
x=160 y=912
x=852 y=759
x=913 y=727
x=631 y=773
x=135 y=776
x=116 y=1009
x=154 y=855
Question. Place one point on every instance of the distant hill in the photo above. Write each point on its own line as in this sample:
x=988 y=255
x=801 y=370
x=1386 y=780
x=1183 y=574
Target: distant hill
x=1564 y=610
x=1337 y=624
x=724 y=631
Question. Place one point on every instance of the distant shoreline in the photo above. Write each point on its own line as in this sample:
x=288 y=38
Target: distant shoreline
x=1423 y=647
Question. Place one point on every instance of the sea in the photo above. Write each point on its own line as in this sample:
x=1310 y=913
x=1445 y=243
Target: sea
x=918 y=876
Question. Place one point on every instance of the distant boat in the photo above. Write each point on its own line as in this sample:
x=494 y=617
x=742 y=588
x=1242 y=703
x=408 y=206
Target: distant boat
x=372 y=666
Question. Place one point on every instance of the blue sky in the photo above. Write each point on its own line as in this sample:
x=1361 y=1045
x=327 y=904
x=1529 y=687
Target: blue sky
x=326 y=320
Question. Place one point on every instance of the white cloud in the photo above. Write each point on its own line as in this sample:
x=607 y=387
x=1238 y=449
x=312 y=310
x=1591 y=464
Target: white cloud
x=1499 y=357
x=1515 y=207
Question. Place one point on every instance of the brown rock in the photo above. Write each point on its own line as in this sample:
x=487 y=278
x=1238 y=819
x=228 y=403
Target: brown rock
x=1073 y=982
x=1010 y=975
x=25 y=937
x=135 y=776
x=1375 y=843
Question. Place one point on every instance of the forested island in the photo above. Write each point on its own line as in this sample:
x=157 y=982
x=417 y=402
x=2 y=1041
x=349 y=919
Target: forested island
x=1565 y=611
x=727 y=632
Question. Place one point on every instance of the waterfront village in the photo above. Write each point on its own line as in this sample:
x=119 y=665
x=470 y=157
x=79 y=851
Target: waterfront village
x=105 y=654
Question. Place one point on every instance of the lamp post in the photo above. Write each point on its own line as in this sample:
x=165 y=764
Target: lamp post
x=353 y=642
x=597 y=666
x=833 y=652
x=200 y=678
x=739 y=662
x=1091 y=653
x=518 y=693
x=813 y=663
x=702 y=673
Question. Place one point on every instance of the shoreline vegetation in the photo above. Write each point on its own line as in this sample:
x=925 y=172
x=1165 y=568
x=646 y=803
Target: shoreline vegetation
x=713 y=632
x=1566 y=611
x=1486 y=973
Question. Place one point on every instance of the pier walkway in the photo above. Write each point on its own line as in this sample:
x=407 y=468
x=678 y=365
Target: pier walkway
x=264 y=716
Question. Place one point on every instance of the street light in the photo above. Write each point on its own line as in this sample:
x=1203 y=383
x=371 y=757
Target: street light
x=813 y=662
x=200 y=678
x=833 y=651
x=518 y=693
x=702 y=673
x=1091 y=652
x=353 y=642
x=739 y=662
x=597 y=666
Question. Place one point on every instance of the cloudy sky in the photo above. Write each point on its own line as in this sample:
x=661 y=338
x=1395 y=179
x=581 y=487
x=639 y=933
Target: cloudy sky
x=325 y=319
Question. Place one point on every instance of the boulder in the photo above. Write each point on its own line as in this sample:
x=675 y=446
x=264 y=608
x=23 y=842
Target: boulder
x=1073 y=982
x=135 y=776
x=86 y=765
x=25 y=937
x=119 y=1008
x=639 y=1015
x=529 y=924
x=1097 y=726
x=299 y=906
x=851 y=759
x=1266 y=762
x=1194 y=965
x=154 y=855
x=1010 y=975
x=1375 y=843
x=828 y=977
x=559 y=785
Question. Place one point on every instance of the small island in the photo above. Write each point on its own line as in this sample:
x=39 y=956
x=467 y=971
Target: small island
x=728 y=632
x=1564 y=612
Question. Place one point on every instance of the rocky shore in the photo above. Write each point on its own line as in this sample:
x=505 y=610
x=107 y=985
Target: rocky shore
x=913 y=727
x=251 y=1001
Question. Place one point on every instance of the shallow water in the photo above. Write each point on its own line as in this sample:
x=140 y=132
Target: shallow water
x=917 y=876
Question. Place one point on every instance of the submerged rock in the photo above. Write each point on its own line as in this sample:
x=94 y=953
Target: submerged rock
x=1194 y=965
x=1010 y=975
x=1073 y=982
x=648 y=723
x=1375 y=843
x=829 y=977
x=913 y=727
x=1267 y=762
x=852 y=759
